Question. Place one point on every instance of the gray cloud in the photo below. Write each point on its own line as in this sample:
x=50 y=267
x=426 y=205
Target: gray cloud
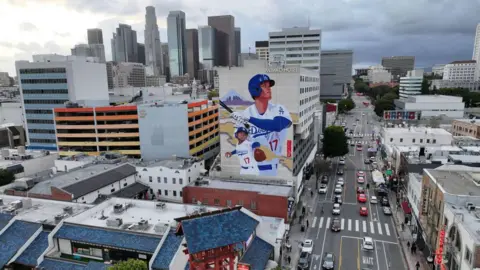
x=27 y=27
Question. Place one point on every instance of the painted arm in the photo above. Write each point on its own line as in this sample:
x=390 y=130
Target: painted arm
x=234 y=152
x=277 y=124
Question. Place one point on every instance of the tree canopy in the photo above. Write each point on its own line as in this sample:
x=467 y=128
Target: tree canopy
x=360 y=86
x=334 y=142
x=130 y=264
x=6 y=177
x=346 y=105
x=425 y=87
x=383 y=105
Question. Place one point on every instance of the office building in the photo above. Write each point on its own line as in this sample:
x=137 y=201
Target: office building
x=49 y=82
x=191 y=40
x=437 y=70
x=128 y=75
x=378 y=74
x=245 y=56
x=206 y=44
x=466 y=127
x=153 y=48
x=225 y=51
x=177 y=51
x=411 y=85
x=95 y=130
x=420 y=136
x=94 y=36
x=461 y=71
x=141 y=53
x=296 y=46
x=335 y=73
x=238 y=43
x=432 y=105
x=398 y=65
x=261 y=49
x=124 y=44
x=82 y=50
x=110 y=66
x=96 y=51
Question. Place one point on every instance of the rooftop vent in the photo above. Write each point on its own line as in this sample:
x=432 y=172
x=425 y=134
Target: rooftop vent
x=118 y=208
x=68 y=210
x=59 y=218
x=160 y=205
x=114 y=222
x=1 y=202
x=142 y=224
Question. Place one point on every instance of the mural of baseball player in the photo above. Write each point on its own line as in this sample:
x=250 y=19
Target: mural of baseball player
x=245 y=152
x=269 y=123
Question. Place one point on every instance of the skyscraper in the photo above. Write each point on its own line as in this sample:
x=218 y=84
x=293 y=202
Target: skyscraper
x=124 y=44
x=476 y=45
x=176 y=42
x=398 y=65
x=192 y=52
x=153 y=49
x=206 y=44
x=238 y=44
x=224 y=39
x=95 y=47
x=165 y=60
x=141 y=53
x=95 y=36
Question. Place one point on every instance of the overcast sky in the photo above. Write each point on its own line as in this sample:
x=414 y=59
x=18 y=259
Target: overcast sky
x=434 y=31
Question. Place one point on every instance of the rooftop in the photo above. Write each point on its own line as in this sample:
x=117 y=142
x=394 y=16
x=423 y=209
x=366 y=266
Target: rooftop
x=158 y=214
x=177 y=163
x=265 y=189
x=469 y=121
x=14 y=237
x=40 y=210
x=258 y=254
x=464 y=62
x=469 y=220
x=56 y=264
x=418 y=130
x=434 y=98
x=167 y=251
x=457 y=180
x=17 y=156
x=36 y=248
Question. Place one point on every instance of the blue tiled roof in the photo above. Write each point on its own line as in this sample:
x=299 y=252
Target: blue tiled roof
x=30 y=255
x=167 y=251
x=4 y=219
x=14 y=238
x=54 y=264
x=217 y=230
x=113 y=238
x=258 y=254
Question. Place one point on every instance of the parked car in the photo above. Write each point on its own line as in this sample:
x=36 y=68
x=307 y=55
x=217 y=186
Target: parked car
x=322 y=189
x=307 y=245
x=304 y=261
x=338 y=189
x=324 y=179
x=363 y=211
x=367 y=243
x=336 y=226
x=360 y=190
x=385 y=202
x=360 y=173
x=367 y=161
x=360 y=180
x=373 y=199
x=339 y=172
x=338 y=199
x=328 y=261
x=362 y=198
x=387 y=211
x=340 y=181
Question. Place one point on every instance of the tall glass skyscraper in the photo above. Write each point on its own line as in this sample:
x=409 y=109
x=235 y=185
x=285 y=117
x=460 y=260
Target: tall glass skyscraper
x=153 y=49
x=124 y=44
x=176 y=43
x=206 y=46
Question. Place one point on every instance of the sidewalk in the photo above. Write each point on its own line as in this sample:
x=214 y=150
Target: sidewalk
x=296 y=236
x=406 y=236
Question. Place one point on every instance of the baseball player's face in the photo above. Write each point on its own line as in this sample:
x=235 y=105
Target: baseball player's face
x=242 y=136
x=266 y=90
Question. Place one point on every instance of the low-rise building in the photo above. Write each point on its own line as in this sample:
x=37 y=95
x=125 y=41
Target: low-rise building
x=462 y=141
x=379 y=74
x=11 y=112
x=466 y=127
x=432 y=105
x=27 y=162
x=439 y=84
x=12 y=136
x=411 y=85
x=129 y=75
x=421 y=136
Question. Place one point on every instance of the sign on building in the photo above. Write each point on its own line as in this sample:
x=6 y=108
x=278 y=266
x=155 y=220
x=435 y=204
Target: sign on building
x=401 y=115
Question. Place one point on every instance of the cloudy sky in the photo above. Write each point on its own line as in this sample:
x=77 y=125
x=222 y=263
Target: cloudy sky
x=434 y=31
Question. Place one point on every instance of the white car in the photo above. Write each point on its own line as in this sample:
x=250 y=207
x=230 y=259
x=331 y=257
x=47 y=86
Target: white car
x=340 y=181
x=373 y=199
x=341 y=162
x=307 y=246
x=338 y=189
x=367 y=243
x=322 y=189
x=336 y=209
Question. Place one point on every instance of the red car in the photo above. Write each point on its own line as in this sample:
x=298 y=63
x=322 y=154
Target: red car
x=360 y=173
x=362 y=198
x=360 y=179
x=360 y=190
x=363 y=211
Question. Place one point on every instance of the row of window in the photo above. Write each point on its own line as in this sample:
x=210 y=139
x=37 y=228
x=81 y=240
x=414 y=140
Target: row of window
x=39 y=121
x=41 y=131
x=217 y=202
x=413 y=140
x=42 y=141
x=309 y=79
x=38 y=81
x=39 y=111
x=165 y=193
x=309 y=89
x=42 y=70
x=46 y=91
x=55 y=101
x=165 y=180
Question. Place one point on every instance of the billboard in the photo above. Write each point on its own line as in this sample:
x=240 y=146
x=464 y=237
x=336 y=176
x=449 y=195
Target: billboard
x=401 y=115
x=256 y=128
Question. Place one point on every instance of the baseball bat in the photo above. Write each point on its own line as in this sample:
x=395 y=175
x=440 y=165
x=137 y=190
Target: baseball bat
x=225 y=106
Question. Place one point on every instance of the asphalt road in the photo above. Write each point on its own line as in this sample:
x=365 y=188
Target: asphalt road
x=347 y=244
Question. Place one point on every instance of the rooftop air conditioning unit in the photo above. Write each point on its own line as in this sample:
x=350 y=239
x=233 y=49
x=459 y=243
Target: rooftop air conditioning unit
x=68 y=210
x=142 y=224
x=114 y=222
x=118 y=208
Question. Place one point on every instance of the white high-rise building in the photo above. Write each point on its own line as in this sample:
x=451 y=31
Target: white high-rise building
x=379 y=74
x=411 y=85
x=153 y=48
x=297 y=46
x=476 y=45
x=465 y=71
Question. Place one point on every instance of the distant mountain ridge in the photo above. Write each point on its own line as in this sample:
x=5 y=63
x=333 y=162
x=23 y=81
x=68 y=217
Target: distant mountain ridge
x=234 y=98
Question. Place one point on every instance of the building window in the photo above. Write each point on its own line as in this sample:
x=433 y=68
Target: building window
x=159 y=192
x=174 y=181
x=229 y=203
x=174 y=193
x=240 y=202
x=421 y=140
x=216 y=202
x=468 y=255
x=189 y=179
x=166 y=192
x=125 y=184
x=434 y=141
x=428 y=140
x=164 y=180
x=112 y=190
x=253 y=205
x=401 y=139
x=181 y=194
x=391 y=139
x=413 y=140
x=150 y=179
x=159 y=180
x=180 y=181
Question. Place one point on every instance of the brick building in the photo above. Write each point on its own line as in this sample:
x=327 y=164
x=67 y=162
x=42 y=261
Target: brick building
x=261 y=199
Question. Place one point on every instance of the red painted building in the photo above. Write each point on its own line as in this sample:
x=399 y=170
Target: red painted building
x=263 y=200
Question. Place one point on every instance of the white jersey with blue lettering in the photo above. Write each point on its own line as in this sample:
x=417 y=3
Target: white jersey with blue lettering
x=273 y=140
x=248 y=164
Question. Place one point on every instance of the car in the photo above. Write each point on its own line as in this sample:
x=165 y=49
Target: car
x=336 y=226
x=322 y=189
x=352 y=143
x=341 y=162
x=367 y=161
x=372 y=158
x=359 y=148
x=338 y=189
x=354 y=124
x=362 y=198
x=325 y=179
x=384 y=201
x=304 y=261
x=367 y=243
x=307 y=245
x=363 y=211
x=387 y=211
x=338 y=199
x=344 y=124
x=336 y=209
x=360 y=190
x=357 y=119
x=360 y=173
x=373 y=199
x=360 y=180
x=339 y=172
x=328 y=261
x=363 y=114
x=340 y=181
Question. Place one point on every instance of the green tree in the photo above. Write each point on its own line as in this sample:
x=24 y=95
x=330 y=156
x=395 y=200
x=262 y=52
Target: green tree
x=130 y=264
x=425 y=87
x=334 y=142
x=391 y=96
x=212 y=94
x=325 y=101
x=346 y=105
x=360 y=87
x=6 y=177
x=383 y=105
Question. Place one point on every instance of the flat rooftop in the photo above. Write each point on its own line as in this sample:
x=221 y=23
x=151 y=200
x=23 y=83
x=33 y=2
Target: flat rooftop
x=457 y=180
x=475 y=149
x=265 y=189
x=65 y=179
x=433 y=98
x=177 y=163
x=468 y=220
x=135 y=211
x=40 y=210
x=469 y=121
x=469 y=159
x=146 y=100
x=418 y=130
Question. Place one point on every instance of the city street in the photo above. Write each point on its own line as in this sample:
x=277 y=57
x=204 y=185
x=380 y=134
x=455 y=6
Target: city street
x=347 y=244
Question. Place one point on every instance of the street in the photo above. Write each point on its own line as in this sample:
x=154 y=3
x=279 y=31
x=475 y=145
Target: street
x=347 y=243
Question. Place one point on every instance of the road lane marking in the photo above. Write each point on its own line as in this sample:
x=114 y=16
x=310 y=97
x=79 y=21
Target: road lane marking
x=340 y=257
x=376 y=255
x=358 y=255
x=314 y=222
x=320 y=224
x=385 y=253
x=343 y=224
x=367 y=260
x=364 y=223
x=387 y=231
x=356 y=225
x=379 y=228
x=349 y=224
x=372 y=228
x=327 y=225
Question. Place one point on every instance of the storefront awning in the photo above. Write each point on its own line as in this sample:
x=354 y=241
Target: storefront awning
x=406 y=208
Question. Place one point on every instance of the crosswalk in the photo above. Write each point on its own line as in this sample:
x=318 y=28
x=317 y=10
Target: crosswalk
x=357 y=142
x=354 y=225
